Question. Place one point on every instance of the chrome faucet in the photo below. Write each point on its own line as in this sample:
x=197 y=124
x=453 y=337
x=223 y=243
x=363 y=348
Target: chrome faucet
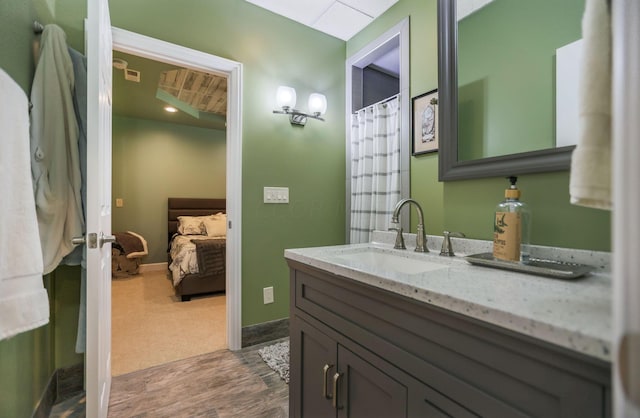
x=421 y=238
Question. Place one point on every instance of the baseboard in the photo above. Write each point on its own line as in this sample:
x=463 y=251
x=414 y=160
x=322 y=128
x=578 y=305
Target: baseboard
x=152 y=267
x=64 y=383
x=267 y=331
x=70 y=382
x=48 y=398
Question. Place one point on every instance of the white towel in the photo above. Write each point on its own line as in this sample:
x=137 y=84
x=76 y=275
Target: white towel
x=24 y=304
x=590 y=183
x=55 y=161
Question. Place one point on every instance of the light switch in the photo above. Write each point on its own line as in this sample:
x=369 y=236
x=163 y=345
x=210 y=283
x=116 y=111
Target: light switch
x=276 y=195
x=119 y=202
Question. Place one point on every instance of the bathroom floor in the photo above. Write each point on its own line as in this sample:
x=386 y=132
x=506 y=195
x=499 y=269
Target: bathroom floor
x=216 y=385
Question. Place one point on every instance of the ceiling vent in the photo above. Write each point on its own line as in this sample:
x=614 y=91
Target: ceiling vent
x=132 y=75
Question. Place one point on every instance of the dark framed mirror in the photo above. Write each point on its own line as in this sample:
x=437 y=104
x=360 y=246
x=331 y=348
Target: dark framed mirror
x=451 y=165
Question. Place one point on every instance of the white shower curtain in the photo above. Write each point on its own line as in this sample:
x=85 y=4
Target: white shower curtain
x=375 y=168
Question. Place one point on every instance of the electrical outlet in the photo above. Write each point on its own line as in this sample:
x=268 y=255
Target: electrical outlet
x=267 y=295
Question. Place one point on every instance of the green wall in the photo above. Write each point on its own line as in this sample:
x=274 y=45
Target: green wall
x=468 y=206
x=153 y=161
x=310 y=160
x=17 y=41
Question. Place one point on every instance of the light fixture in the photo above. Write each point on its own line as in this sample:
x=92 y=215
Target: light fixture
x=170 y=109
x=286 y=100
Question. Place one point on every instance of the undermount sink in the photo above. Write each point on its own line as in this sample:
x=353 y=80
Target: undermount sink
x=377 y=259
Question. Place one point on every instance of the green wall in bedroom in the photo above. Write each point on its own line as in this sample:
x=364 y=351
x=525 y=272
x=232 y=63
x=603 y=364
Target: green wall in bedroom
x=153 y=161
x=468 y=205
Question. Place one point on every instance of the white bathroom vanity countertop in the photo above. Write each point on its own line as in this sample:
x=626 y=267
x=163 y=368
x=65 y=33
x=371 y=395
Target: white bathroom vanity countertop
x=575 y=314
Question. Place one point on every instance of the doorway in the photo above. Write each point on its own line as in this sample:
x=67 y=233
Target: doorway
x=146 y=47
x=390 y=50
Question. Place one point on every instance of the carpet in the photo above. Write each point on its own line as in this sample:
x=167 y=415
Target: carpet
x=277 y=357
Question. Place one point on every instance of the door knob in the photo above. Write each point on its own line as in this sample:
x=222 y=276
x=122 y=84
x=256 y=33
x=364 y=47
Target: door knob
x=105 y=238
x=92 y=240
x=78 y=240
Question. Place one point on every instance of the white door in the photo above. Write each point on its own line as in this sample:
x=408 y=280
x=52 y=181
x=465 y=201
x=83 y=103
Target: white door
x=98 y=352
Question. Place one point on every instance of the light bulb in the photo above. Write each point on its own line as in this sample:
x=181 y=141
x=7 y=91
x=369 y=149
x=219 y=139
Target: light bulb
x=286 y=97
x=317 y=104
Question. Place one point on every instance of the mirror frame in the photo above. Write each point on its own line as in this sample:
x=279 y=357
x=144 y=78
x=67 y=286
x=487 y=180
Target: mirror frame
x=449 y=168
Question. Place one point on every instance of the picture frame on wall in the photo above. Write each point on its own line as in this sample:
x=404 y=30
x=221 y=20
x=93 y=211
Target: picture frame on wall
x=424 y=128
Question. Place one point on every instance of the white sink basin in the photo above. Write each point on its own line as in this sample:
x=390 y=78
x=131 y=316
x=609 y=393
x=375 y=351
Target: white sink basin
x=374 y=259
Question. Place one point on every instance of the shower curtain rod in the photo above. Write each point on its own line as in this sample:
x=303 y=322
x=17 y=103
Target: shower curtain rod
x=388 y=99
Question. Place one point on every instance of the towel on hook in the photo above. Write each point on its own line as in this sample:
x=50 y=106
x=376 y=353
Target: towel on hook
x=55 y=164
x=24 y=304
x=590 y=183
x=80 y=107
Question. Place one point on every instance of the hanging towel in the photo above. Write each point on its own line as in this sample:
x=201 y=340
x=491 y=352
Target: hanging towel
x=590 y=183
x=24 y=304
x=55 y=163
x=80 y=107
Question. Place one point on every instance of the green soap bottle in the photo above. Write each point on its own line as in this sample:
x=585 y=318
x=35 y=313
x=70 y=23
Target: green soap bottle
x=512 y=227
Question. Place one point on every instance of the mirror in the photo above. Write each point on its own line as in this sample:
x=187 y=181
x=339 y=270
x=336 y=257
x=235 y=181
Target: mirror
x=481 y=100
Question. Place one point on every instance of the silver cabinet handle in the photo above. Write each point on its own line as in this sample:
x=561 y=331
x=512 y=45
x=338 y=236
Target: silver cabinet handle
x=325 y=371
x=336 y=379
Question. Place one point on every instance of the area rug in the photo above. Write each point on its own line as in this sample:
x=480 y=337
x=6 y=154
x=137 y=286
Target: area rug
x=277 y=357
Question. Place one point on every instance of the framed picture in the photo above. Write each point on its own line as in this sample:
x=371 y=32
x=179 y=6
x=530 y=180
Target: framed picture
x=425 y=123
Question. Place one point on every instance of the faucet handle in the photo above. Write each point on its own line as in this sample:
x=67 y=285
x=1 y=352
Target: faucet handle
x=447 y=248
x=399 y=245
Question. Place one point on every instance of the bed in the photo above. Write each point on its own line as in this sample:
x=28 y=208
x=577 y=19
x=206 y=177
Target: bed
x=197 y=246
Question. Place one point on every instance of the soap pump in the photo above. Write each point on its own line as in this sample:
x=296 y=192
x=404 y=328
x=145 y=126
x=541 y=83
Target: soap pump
x=512 y=226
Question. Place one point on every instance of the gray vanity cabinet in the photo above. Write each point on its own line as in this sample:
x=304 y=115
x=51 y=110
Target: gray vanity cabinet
x=336 y=382
x=388 y=356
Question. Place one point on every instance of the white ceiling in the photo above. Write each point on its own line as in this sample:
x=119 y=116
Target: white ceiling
x=466 y=7
x=339 y=18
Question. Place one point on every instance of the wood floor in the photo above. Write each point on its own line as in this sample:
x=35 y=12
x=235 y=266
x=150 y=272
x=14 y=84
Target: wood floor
x=200 y=378
x=216 y=385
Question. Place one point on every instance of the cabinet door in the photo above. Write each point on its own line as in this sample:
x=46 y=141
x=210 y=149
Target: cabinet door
x=311 y=386
x=364 y=391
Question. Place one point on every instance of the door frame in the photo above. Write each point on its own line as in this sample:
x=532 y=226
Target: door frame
x=397 y=36
x=158 y=50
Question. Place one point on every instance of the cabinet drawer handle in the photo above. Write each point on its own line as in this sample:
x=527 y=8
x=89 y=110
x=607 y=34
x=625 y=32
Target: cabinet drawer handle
x=336 y=379
x=325 y=370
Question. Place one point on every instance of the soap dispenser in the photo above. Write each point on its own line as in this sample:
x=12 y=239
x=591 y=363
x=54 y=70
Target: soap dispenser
x=512 y=226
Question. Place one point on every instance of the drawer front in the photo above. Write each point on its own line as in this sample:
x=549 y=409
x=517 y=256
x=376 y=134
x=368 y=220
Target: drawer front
x=494 y=372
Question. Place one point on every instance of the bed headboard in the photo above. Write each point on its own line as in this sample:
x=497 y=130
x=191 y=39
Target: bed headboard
x=183 y=206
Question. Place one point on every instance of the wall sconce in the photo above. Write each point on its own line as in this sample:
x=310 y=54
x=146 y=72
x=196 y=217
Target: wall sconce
x=286 y=100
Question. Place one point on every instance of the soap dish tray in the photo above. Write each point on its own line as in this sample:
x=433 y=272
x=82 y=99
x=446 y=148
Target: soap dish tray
x=555 y=269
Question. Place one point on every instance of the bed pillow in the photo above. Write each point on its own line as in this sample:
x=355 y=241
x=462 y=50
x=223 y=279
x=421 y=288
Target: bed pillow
x=216 y=225
x=191 y=225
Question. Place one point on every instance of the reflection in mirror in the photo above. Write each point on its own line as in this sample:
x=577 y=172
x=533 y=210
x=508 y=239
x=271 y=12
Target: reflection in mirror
x=506 y=54
x=497 y=70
